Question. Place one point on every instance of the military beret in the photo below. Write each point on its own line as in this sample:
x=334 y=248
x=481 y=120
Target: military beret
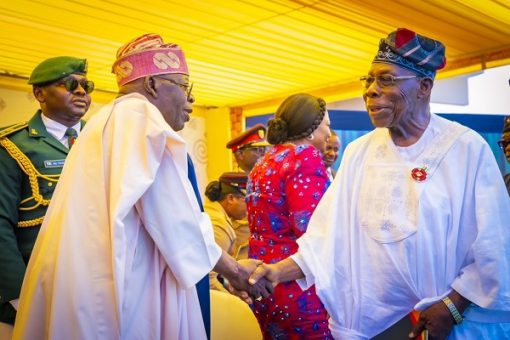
x=506 y=125
x=57 y=68
x=236 y=180
x=254 y=136
x=413 y=51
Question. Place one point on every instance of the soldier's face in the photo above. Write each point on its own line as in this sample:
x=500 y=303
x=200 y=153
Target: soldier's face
x=247 y=157
x=60 y=104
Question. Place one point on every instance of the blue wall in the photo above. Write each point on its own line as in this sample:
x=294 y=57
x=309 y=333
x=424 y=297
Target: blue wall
x=350 y=125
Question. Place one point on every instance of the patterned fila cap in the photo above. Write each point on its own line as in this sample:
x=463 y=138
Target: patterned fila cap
x=148 y=55
x=415 y=52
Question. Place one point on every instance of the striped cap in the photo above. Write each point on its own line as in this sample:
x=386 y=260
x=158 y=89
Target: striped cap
x=415 y=52
x=148 y=55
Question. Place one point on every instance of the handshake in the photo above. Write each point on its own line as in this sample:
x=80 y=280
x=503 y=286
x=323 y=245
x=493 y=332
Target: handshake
x=254 y=280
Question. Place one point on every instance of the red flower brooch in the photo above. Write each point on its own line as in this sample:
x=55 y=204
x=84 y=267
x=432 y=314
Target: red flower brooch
x=419 y=174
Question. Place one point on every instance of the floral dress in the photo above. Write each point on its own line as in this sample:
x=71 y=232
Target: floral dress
x=283 y=190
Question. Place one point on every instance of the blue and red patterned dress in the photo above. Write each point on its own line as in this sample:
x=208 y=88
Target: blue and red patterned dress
x=283 y=190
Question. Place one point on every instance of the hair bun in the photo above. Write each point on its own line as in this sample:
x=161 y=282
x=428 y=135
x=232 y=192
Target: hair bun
x=213 y=191
x=277 y=131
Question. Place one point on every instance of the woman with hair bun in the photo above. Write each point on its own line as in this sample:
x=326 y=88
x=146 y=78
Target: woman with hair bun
x=225 y=202
x=283 y=190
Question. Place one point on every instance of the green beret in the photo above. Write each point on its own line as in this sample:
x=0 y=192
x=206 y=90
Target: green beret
x=57 y=68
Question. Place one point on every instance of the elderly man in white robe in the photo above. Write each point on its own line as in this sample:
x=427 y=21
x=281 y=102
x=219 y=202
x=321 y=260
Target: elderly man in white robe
x=417 y=217
x=124 y=241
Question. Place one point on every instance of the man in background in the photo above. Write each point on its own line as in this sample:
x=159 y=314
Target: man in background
x=32 y=155
x=330 y=155
x=249 y=146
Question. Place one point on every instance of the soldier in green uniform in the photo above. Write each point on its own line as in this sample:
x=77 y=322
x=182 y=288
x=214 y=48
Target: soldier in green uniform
x=32 y=155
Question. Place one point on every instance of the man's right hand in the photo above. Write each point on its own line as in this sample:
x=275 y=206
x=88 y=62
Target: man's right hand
x=239 y=285
x=268 y=271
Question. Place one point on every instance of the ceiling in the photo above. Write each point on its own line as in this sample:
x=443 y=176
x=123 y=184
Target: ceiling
x=249 y=53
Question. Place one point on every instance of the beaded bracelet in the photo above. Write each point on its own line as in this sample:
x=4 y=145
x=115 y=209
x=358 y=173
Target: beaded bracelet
x=455 y=313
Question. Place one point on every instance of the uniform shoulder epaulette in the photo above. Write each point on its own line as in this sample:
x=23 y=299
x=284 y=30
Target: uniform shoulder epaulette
x=12 y=128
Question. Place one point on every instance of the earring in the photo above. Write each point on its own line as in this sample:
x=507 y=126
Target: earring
x=310 y=137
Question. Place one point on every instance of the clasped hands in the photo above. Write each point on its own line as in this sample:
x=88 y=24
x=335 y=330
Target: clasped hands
x=255 y=280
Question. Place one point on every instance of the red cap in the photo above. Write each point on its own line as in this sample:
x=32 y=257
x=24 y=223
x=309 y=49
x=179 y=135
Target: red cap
x=237 y=180
x=254 y=136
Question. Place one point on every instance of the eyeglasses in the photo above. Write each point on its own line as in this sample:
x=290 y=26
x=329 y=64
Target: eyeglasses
x=503 y=143
x=71 y=84
x=384 y=80
x=186 y=87
x=257 y=149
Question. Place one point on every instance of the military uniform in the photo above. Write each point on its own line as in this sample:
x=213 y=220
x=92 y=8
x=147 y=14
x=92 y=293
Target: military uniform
x=242 y=231
x=30 y=164
x=254 y=137
x=224 y=236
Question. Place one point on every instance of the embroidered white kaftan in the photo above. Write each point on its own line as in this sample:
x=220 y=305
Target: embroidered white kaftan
x=380 y=243
x=124 y=240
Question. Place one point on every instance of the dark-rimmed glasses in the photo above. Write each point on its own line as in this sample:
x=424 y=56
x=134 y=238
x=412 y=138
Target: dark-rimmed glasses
x=186 y=87
x=503 y=143
x=384 y=80
x=71 y=84
x=257 y=149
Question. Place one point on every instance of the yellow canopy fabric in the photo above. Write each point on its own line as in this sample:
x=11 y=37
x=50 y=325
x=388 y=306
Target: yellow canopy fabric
x=251 y=53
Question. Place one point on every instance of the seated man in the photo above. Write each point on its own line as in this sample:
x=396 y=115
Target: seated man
x=225 y=203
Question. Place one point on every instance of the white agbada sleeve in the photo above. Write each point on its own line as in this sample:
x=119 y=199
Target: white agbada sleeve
x=484 y=279
x=149 y=165
x=327 y=240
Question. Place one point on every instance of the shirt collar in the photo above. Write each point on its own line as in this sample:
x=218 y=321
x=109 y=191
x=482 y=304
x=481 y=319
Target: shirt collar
x=330 y=173
x=57 y=129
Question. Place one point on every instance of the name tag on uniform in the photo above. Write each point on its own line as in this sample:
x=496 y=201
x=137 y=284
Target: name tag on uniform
x=58 y=163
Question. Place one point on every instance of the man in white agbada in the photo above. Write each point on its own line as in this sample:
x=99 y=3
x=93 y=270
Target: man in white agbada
x=417 y=217
x=124 y=241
